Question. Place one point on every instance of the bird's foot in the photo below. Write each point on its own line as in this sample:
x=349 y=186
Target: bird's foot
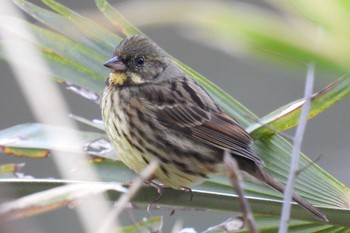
x=189 y=190
x=159 y=187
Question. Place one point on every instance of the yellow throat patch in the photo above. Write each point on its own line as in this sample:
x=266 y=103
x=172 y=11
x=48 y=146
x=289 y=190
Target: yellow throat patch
x=118 y=79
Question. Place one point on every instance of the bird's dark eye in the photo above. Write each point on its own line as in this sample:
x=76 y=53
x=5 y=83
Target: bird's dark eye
x=140 y=60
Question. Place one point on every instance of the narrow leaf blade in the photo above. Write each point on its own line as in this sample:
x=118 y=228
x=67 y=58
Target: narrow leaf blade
x=288 y=116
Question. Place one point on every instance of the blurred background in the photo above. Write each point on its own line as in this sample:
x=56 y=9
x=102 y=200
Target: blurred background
x=260 y=84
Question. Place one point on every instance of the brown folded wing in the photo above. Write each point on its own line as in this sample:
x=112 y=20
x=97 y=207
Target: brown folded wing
x=213 y=128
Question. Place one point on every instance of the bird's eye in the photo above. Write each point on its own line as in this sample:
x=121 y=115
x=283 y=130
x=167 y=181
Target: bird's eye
x=140 y=60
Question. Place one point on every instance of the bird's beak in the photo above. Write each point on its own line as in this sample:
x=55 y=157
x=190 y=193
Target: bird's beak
x=115 y=64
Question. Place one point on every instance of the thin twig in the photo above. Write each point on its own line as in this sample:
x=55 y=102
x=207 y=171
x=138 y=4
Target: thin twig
x=235 y=179
x=53 y=198
x=283 y=228
x=232 y=224
x=47 y=105
x=109 y=222
x=309 y=164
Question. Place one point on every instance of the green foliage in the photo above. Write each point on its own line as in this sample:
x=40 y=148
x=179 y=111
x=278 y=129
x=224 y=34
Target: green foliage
x=75 y=48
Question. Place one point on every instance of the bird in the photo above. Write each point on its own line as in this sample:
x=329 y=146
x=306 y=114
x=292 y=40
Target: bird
x=152 y=109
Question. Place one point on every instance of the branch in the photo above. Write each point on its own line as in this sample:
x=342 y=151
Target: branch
x=296 y=149
x=122 y=202
x=235 y=179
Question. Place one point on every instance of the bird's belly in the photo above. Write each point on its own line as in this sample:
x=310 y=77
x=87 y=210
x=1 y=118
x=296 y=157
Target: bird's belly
x=167 y=173
x=119 y=135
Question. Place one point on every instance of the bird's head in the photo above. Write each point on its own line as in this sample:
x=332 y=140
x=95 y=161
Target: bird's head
x=136 y=60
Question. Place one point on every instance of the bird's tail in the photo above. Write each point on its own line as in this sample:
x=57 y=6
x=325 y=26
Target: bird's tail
x=301 y=201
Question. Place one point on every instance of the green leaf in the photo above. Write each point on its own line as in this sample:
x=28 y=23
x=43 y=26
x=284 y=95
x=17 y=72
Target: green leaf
x=34 y=140
x=62 y=68
x=204 y=200
x=116 y=18
x=24 y=152
x=62 y=25
x=90 y=29
x=11 y=170
x=53 y=198
x=107 y=170
x=98 y=124
x=226 y=26
x=58 y=43
x=288 y=115
x=272 y=224
x=331 y=15
x=314 y=183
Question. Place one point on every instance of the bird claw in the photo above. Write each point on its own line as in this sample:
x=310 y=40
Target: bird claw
x=151 y=206
x=187 y=189
x=160 y=188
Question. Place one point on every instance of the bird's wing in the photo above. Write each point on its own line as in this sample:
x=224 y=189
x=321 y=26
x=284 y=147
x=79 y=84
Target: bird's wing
x=212 y=127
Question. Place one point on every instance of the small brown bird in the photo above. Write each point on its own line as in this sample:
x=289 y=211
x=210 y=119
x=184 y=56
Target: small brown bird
x=152 y=109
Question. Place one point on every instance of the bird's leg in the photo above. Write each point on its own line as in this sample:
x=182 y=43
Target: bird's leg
x=187 y=189
x=159 y=187
x=152 y=206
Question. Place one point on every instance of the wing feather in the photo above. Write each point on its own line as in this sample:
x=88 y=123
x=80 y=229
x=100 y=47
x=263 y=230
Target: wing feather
x=213 y=128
